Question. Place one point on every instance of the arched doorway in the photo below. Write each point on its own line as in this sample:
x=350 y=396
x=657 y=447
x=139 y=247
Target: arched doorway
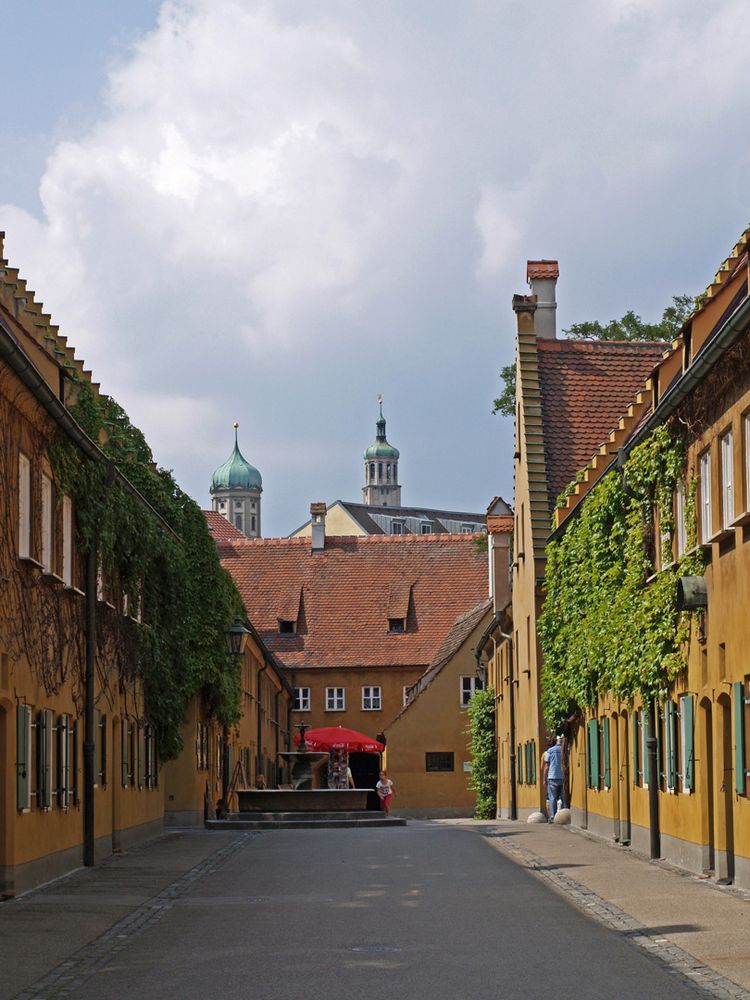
x=707 y=787
x=724 y=850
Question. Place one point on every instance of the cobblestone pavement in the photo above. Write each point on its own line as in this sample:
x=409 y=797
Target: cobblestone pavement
x=69 y=976
x=709 y=982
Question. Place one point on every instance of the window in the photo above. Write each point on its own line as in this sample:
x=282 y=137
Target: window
x=467 y=687
x=48 y=514
x=380 y=472
x=286 y=627
x=67 y=541
x=727 y=480
x=44 y=759
x=687 y=744
x=438 y=761
x=680 y=530
x=24 y=507
x=396 y=624
x=407 y=689
x=371 y=699
x=643 y=716
x=222 y=505
x=372 y=472
x=238 y=521
x=397 y=527
x=671 y=744
x=63 y=761
x=335 y=700
x=23 y=758
x=425 y=528
x=746 y=443
x=100 y=750
x=388 y=472
x=302 y=699
x=150 y=754
x=467 y=529
x=705 y=485
x=201 y=747
x=252 y=522
x=593 y=753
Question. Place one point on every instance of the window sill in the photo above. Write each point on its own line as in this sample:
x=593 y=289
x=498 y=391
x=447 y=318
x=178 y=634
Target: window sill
x=720 y=536
x=31 y=562
x=52 y=577
x=372 y=709
x=741 y=520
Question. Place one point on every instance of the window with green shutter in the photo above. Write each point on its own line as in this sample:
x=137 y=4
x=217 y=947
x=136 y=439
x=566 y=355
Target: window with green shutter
x=124 y=746
x=97 y=744
x=644 y=746
x=670 y=739
x=606 y=756
x=63 y=761
x=23 y=758
x=688 y=743
x=520 y=764
x=44 y=759
x=101 y=757
x=593 y=753
x=636 y=741
x=739 y=738
x=74 y=763
x=141 y=738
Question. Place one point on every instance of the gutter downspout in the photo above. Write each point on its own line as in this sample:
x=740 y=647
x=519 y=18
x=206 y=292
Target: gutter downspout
x=89 y=742
x=494 y=625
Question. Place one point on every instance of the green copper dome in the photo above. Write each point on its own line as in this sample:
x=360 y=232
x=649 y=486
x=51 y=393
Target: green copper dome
x=381 y=448
x=236 y=473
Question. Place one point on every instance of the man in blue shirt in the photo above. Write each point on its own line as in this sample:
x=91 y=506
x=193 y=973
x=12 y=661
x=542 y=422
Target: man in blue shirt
x=553 y=775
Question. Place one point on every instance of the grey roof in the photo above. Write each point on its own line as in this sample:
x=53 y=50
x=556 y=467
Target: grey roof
x=370 y=516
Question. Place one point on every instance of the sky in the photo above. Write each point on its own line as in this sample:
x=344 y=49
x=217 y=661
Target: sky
x=271 y=212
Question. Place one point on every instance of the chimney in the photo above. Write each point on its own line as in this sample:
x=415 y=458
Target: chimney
x=318 y=524
x=542 y=277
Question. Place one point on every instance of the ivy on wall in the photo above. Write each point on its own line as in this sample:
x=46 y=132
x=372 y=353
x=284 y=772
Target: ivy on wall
x=609 y=622
x=481 y=711
x=187 y=599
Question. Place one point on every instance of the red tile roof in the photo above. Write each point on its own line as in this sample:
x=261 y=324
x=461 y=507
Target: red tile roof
x=351 y=589
x=221 y=529
x=586 y=386
x=542 y=269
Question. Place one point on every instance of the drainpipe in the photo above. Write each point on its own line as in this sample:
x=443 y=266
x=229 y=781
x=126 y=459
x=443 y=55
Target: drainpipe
x=493 y=625
x=653 y=783
x=88 y=718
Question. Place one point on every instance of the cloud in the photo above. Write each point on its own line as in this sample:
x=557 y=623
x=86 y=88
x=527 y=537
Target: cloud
x=283 y=208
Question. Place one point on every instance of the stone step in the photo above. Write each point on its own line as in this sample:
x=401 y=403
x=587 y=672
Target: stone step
x=309 y=814
x=312 y=823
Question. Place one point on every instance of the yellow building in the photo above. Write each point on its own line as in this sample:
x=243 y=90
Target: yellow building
x=355 y=621
x=427 y=751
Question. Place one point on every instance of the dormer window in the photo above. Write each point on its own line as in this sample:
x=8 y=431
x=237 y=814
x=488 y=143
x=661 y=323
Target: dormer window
x=426 y=528
x=286 y=626
x=397 y=625
x=397 y=527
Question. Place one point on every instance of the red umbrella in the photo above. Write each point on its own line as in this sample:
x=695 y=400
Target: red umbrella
x=339 y=738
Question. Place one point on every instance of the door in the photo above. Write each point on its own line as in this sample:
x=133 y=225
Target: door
x=725 y=839
x=707 y=789
x=365 y=770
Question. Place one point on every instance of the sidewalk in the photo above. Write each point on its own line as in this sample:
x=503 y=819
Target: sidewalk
x=666 y=910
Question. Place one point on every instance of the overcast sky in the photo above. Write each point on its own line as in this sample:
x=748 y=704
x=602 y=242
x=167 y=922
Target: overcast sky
x=272 y=212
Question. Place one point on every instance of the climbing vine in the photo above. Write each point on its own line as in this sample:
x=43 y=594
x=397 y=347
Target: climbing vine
x=483 y=745
x=164 y=566
x=610 y=621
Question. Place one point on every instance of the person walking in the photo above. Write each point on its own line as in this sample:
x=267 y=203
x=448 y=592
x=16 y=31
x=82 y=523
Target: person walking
x=553 y=776
x=384 y=788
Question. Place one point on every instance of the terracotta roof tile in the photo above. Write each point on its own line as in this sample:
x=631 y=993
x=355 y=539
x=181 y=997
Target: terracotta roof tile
x=351 y=588
x=542 y=269
x=586 y=385
x=221 y=529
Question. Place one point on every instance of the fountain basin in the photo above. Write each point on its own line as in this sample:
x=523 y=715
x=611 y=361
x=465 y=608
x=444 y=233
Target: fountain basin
x=302 y=800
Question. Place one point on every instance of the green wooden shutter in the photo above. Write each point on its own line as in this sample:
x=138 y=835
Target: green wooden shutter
x=644 y=746
x=658 y=720
x=23 y=754
x=535 y=759
x=141 y=740
x=688 y=765
x=97 y=745
x=593 y=730
x=43 y=763
x=670 y=739
x=62 y=762
x=103 y=751
x=520 y=764
x=636 y=748
x=606 y=761
x=739 y=738
x=124 y=742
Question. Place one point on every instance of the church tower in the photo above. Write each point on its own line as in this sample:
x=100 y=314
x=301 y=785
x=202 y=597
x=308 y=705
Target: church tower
x=236 y=487
x=381 y=469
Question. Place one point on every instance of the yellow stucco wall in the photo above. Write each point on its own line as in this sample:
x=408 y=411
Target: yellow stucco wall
x=338 y=522
x=435 y=722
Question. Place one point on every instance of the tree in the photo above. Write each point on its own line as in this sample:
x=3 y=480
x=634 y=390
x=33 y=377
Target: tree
x=629 y=327
x=481 y=711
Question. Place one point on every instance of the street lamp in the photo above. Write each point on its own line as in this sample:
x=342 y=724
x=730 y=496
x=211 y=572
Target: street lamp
x=237 y=636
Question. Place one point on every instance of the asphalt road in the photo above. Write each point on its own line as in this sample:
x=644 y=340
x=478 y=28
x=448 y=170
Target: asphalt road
x=423 y=911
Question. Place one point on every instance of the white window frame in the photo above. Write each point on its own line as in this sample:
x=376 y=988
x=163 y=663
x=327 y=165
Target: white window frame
x=683 y=745
x=397 y=527
x=24 y=506
x=335 y=699
x=48 y=513
x=67 y=541
x=704 y=464
x=23 y=741
x=746 y=452
x=372 y=698
x=407 y=689
x=680 y=529
x=302 y=699
x=726 y=442
x=466 y=691
x=425 y=528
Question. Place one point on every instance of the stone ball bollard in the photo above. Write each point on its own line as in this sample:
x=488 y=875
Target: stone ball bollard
x=537 y=817
x=562 y=817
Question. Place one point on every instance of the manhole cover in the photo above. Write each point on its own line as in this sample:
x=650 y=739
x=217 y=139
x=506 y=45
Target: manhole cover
x=376 y=947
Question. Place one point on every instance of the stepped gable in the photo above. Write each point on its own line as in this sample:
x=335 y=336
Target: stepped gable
x=585 y=387
x=348 y=593
x=220 y=529
x=26 y=318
